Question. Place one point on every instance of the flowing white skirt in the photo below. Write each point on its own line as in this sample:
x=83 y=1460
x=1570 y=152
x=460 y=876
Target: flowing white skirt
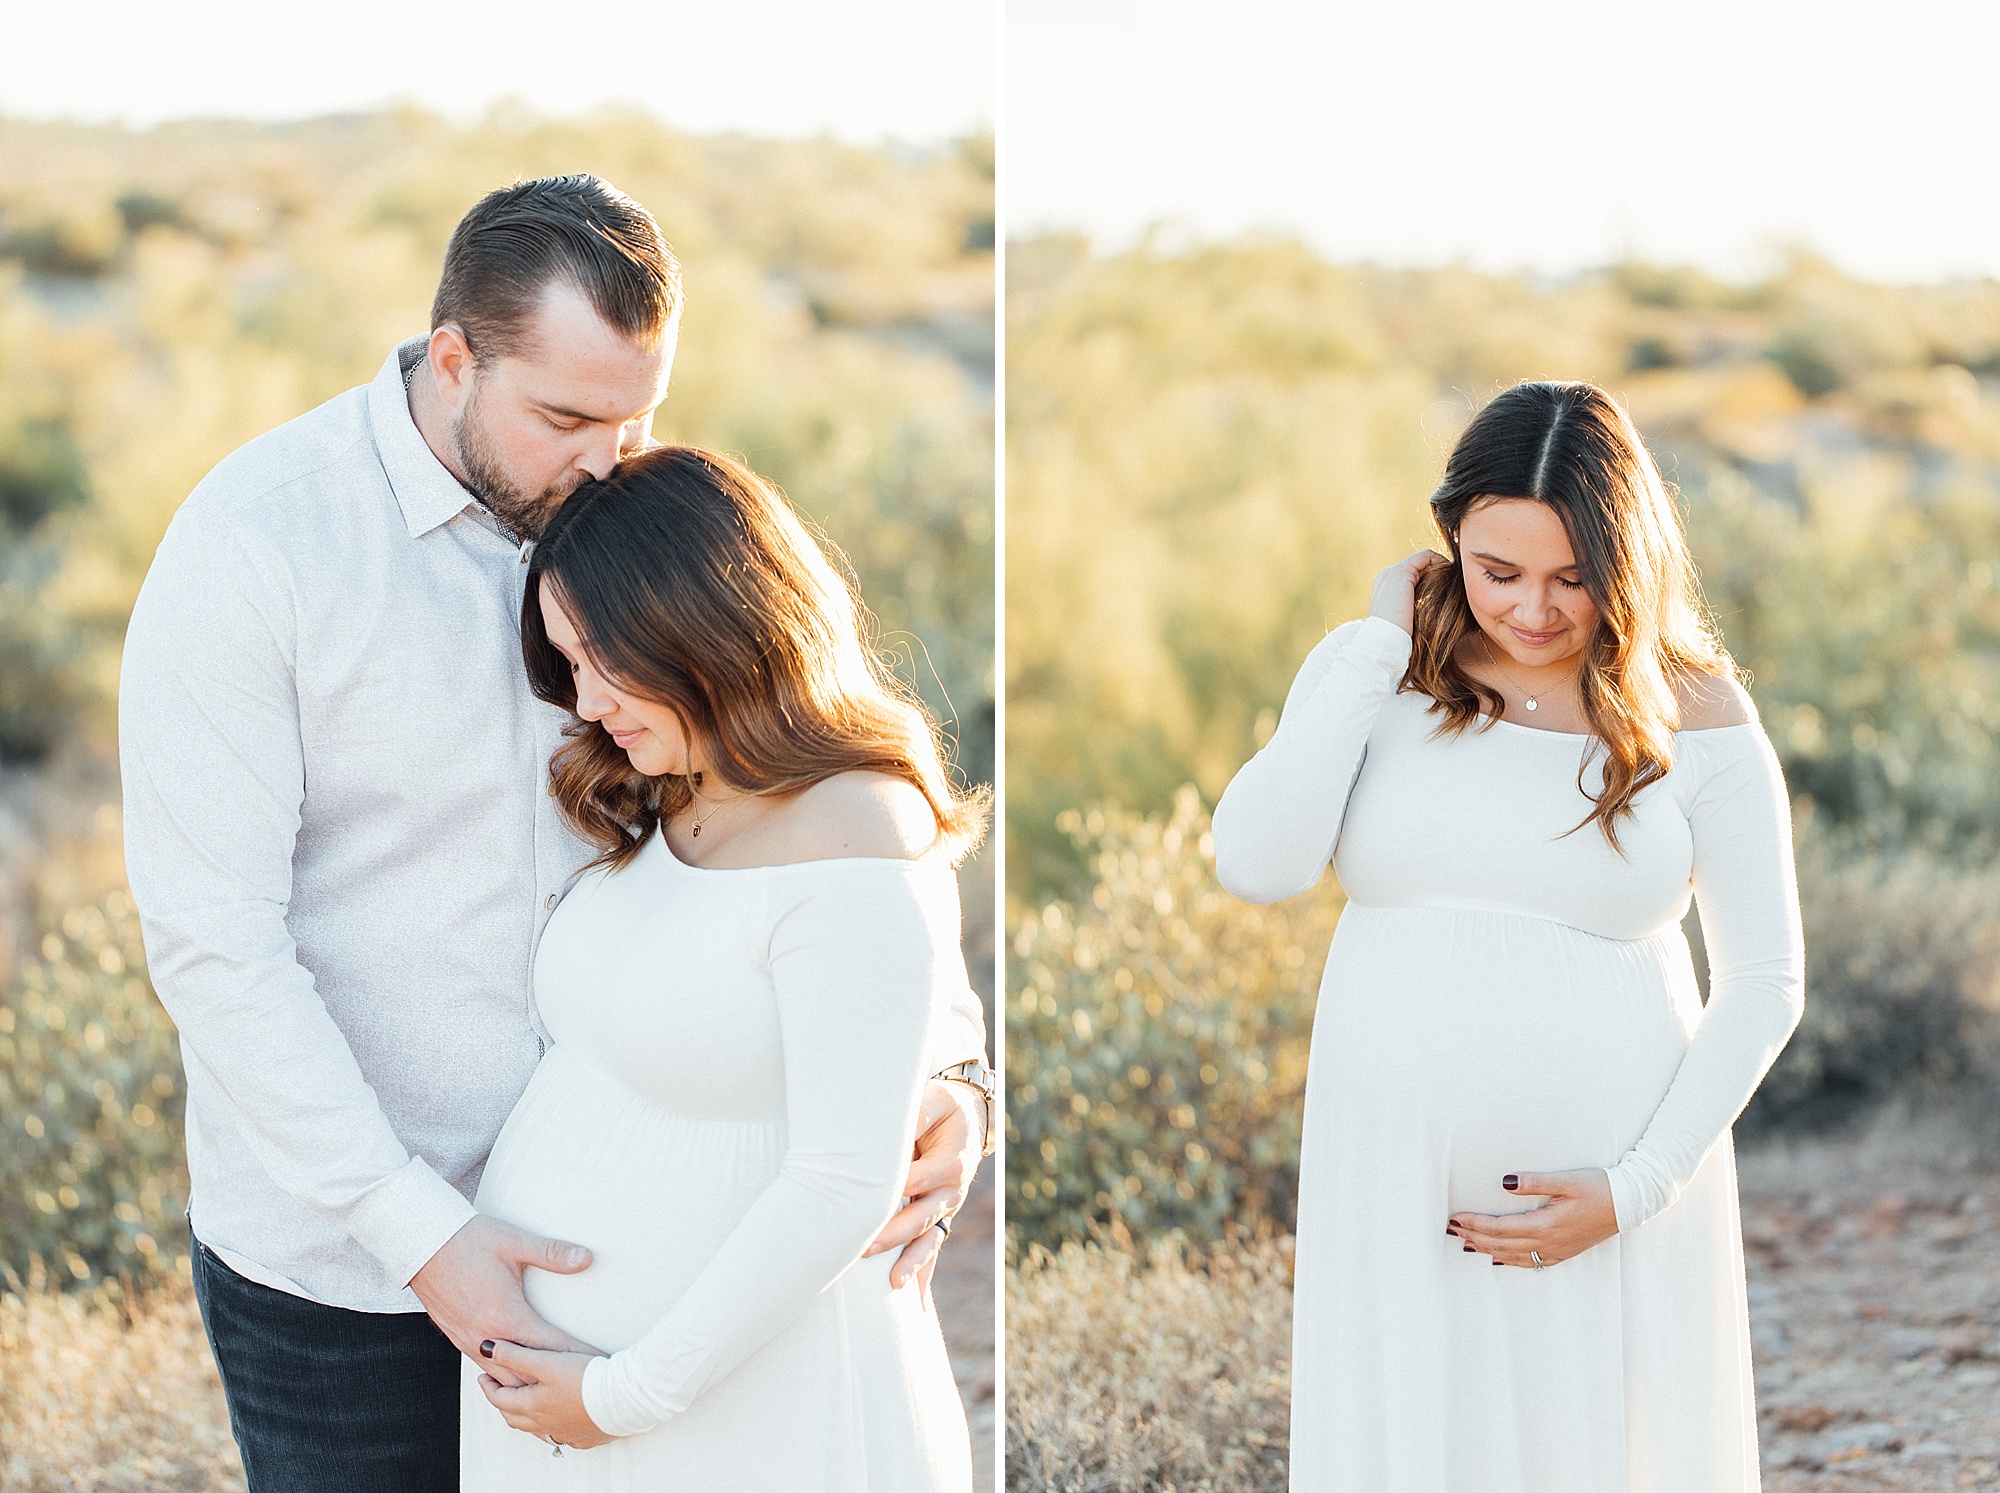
x=1452 y=1047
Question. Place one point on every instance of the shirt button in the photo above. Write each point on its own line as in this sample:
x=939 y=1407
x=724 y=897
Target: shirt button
x=552 y=900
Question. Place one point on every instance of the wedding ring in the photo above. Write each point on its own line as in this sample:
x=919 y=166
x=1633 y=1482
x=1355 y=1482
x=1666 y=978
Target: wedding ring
x=943 y=1225
x=1536 y=1256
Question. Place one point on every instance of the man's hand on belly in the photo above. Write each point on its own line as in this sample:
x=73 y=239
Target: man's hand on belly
x=1578 y=1216
x=472 y=1289
x=950 y=1136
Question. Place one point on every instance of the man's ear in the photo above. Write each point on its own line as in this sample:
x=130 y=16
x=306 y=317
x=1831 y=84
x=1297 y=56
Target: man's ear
x=451 y=364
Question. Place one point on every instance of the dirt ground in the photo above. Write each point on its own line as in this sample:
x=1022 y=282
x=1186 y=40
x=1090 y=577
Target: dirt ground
x=1874 y=1269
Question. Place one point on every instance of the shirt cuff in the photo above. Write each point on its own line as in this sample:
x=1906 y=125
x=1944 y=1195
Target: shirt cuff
x=1624 y=1206
x=1381 y=641
x=958 y=1039
x=408 y=1217
x=1638 y=1192
x=601 y=1402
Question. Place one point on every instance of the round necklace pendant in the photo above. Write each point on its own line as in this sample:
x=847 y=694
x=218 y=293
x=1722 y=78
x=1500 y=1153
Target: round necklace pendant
x=1531 y=705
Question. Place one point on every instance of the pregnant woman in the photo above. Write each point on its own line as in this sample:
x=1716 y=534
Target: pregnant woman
x=741 y=994
x=1520 y=1266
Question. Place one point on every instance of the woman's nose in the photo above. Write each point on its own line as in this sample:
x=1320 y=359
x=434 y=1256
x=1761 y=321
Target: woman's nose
x=593 y=701
x=1536 y=607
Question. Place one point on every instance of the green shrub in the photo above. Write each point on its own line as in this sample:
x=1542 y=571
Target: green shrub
x=1902 y=987
x=93 y=1177
x=1156 y=1039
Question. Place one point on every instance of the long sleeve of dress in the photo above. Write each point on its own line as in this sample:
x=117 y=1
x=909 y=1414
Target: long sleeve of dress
x=859 y=966
x=960 y=1037
x=214 y=778
x=1747 y=890
x=1278 y=820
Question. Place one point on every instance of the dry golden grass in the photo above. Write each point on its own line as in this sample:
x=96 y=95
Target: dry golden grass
x=1168 y=1373
x=94 y=1396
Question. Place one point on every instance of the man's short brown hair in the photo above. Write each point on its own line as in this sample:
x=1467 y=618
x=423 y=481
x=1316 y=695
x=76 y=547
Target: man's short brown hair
x=579 y=230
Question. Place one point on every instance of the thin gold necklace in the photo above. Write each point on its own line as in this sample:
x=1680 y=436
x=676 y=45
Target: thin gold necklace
x=1531 y=699
x=694 y=787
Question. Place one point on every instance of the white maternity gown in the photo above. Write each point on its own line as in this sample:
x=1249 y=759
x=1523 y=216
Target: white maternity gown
x=725 y=1119
x=1502 y=996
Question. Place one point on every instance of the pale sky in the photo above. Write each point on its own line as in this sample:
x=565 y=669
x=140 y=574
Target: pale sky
x=1545 y=134
x=917 y=70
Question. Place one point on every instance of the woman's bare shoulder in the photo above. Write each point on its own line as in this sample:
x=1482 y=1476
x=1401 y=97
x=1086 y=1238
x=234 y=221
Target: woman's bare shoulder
x=871 y=814
x=1711 y=701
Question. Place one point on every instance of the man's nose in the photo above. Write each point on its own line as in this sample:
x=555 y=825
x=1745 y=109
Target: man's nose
x=601 y=455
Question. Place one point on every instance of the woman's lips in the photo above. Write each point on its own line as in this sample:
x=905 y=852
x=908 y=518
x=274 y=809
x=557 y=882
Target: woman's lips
x=626 y=738
x=1534 y=639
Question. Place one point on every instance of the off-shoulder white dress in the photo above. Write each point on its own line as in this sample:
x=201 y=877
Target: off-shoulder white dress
x=725 y=1118
x=1504 y=995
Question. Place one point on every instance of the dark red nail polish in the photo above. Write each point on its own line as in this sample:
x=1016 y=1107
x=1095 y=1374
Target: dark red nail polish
x=1496 y=1262
x=1470 y=1250
x=1511 y=1182
x=486 y=1348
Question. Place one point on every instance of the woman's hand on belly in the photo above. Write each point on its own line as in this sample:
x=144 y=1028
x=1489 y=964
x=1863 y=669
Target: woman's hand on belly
x=549 y=1401
x=1578 y=1216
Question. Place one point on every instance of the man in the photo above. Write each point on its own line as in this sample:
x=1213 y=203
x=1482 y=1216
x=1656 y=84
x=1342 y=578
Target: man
x=343 y=854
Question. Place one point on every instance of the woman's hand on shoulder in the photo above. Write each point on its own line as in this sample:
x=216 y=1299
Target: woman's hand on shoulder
x=1396 y=589
x=1711 y=701
x=871 y=814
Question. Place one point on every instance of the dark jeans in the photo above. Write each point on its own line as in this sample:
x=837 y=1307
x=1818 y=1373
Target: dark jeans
x=325 y=1400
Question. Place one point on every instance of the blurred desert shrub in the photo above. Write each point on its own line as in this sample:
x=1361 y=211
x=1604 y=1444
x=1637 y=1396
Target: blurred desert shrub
x=1868 y=616
x=1158 y=1029
x=1902 y=989
x=1135 y=1370
x=1156 y=1040
x=167 y=294
x=1212 y=450
x=93 y=1182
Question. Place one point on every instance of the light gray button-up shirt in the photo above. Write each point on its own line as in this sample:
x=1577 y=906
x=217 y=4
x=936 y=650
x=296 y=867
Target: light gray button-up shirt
x=341 y=845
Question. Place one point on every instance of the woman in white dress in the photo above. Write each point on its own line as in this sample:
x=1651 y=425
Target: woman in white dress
x=740 y=994
x=1521 y=764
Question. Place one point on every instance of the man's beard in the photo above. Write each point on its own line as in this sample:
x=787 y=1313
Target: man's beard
x=521 y=515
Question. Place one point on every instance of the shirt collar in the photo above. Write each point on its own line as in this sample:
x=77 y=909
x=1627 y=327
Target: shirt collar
x=428 y=494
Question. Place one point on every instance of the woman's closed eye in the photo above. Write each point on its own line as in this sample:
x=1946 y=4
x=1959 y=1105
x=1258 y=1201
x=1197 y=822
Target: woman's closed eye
x=1503 y=580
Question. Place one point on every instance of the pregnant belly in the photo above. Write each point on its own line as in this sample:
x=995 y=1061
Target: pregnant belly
x=653 y=1195
x=1472 y=1044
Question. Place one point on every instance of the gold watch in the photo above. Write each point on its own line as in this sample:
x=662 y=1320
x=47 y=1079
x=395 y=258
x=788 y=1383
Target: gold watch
x=982 y=1078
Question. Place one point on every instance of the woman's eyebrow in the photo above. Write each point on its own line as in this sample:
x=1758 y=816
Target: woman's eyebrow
x=1512 y=564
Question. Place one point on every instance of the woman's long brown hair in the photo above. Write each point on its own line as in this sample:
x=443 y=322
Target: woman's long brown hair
x=693 y=584
x=1570 y=446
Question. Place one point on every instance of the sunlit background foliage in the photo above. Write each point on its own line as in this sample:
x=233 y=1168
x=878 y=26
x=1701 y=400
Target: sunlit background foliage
x=167 y=294
x=1211 y=451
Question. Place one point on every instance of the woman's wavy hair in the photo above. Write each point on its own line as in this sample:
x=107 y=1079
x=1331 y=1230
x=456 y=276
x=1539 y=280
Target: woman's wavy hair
x=693 y=584
x=1569 y=445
